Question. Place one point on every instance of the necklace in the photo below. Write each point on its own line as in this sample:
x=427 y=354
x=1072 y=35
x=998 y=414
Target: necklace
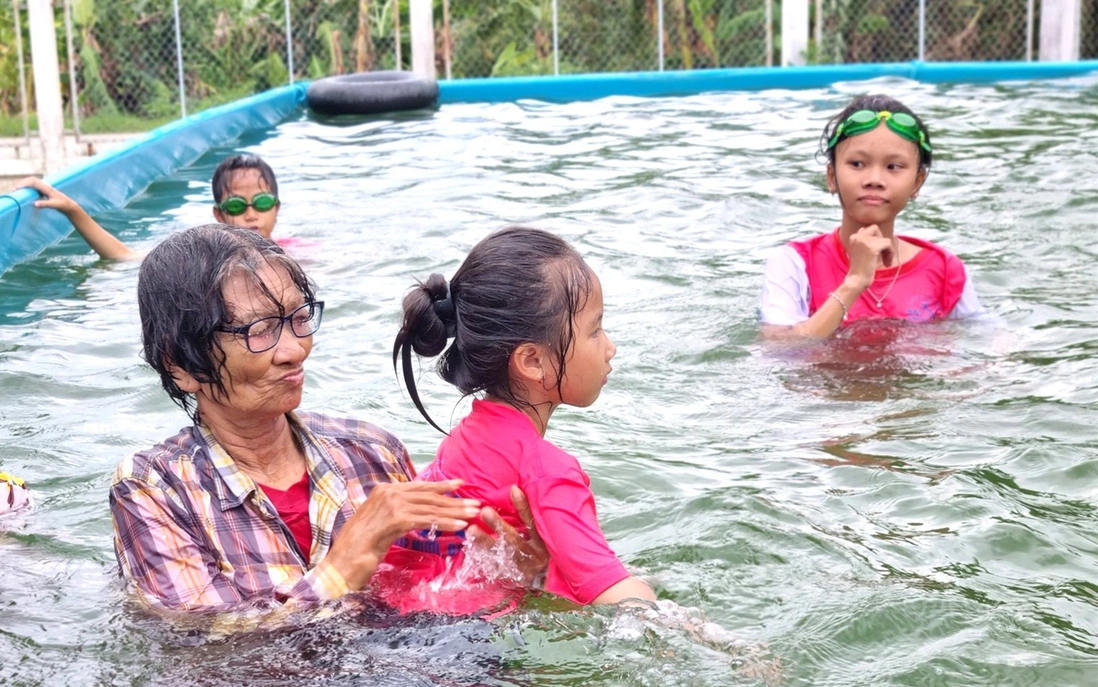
x=894 y=278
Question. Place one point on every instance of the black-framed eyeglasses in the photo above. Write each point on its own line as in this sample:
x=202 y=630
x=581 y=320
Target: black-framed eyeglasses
x=264 y=333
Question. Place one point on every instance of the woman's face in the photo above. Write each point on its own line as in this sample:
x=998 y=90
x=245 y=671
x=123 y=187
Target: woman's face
x=259 y=385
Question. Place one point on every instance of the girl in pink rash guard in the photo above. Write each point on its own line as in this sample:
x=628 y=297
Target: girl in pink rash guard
x=520 y=326
x=878 y=156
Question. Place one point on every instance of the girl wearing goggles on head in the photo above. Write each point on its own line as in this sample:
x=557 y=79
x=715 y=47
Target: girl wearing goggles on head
x=245 y=195
x=878 y=156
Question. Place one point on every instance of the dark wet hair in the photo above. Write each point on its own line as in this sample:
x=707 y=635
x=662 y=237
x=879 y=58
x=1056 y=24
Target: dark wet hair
x=182 y=305
x=237 y=163
x=876 y=103
x=518 y=285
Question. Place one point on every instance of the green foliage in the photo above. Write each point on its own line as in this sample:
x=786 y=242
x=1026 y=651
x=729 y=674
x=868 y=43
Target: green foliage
x=323 y=64
x=512 y=62
x=9 y=65
x=271 y=72
x=485 y=31
x=161 y=103
x=94 y=124
x=884 y=30
x=742 y=43
x=872 y=23
x=94 y=95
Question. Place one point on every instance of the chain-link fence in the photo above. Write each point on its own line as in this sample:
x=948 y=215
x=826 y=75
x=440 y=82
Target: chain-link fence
x=132 y=64
x=891 y=31
x=518 y=37
x=135 y=63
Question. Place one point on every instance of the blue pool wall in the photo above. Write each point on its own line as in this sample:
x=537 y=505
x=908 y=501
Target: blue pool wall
x=111 y=179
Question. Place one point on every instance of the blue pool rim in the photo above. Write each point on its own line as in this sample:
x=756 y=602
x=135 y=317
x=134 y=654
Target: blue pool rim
x=111 y=179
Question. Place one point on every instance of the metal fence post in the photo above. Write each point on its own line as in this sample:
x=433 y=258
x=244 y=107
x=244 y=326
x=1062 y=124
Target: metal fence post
x=1060 y=30
x=1029 y=30
x=421 y=25
x=769 y=33
x=922 y=30
x=818 y=33
x=794 y=32
x=179 y=61
x=72 y=71
x=22 y=74
x=289 y=43
x=659 y=30
x=556 y=47
x=446 y=57
x=47 y=83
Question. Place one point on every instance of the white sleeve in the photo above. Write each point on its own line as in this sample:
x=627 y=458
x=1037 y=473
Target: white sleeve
x=969 y=304
x=785 y=289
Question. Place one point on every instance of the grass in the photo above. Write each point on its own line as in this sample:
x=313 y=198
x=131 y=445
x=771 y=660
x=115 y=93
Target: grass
x=12 y=125
x=95 y=124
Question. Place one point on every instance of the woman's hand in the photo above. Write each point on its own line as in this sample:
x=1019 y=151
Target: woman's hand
x=866 y=249
x=390 y=512
x=528 y=553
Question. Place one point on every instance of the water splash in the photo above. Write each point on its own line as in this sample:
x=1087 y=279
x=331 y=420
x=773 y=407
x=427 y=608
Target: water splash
x=482 y=577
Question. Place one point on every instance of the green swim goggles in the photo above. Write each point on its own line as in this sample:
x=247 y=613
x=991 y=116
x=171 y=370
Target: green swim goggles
x=867 y=120
x=235 y=206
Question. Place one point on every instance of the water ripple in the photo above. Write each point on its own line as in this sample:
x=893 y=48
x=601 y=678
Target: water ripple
x=901 y=505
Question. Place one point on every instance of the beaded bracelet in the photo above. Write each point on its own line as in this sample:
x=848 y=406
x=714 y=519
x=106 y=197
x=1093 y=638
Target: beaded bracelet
x=840 y=302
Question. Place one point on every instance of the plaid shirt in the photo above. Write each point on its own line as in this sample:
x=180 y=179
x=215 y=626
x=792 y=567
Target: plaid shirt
x=193 y=532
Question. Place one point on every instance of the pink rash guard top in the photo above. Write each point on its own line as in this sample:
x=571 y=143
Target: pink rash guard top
x=927 y=287
x=497 y=446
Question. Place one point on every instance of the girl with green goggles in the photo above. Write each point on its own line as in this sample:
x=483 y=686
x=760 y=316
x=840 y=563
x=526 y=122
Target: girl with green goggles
x=234 y=206
x=863 y=268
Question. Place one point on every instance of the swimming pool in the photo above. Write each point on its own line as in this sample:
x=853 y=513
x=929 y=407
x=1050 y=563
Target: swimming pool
x=916 y=512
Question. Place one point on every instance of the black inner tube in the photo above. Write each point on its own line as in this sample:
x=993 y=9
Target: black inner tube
x=371 y=93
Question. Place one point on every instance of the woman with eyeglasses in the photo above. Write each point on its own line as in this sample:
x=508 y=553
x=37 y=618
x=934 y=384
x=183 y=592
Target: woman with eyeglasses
x=245 y=193
x=256 y=502
x=878 y=156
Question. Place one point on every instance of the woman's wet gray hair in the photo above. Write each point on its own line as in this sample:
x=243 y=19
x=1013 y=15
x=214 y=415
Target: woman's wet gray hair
x=180 y=296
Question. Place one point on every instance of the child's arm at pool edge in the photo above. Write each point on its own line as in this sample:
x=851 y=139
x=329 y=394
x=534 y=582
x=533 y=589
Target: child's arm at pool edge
x=100 y=240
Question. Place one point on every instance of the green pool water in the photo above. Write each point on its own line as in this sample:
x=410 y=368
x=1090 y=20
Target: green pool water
x=913 y=508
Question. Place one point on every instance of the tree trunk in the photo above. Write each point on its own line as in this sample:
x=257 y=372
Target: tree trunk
x=364 y=43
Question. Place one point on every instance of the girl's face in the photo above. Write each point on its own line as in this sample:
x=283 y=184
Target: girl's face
x=587 y=364
x=247 y=184
x=875 y=174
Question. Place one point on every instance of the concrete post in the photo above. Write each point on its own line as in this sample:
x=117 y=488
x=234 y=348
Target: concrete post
x=47 y=84
x=1059 y=30
x=794 y=31
x=421 y=24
